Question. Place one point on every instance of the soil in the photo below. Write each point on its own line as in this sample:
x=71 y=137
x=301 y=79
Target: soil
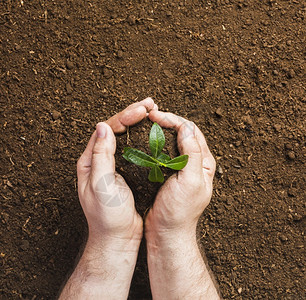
x=234 y=67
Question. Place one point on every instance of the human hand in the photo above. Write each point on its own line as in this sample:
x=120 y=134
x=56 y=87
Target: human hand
x=106 y=199
x=115 y=229
x=181 y=200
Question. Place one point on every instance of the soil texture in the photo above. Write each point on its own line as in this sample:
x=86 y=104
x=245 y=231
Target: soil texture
x=234 y=67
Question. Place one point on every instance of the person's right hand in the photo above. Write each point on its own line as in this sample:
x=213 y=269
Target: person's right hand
x=184 y=196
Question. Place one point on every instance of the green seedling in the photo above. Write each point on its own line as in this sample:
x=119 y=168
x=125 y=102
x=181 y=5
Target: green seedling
x=157 y=158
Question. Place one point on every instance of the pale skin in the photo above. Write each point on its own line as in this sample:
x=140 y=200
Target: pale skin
x=176 y=267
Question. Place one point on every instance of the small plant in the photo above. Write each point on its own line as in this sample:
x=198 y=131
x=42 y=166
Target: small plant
x=158 y=158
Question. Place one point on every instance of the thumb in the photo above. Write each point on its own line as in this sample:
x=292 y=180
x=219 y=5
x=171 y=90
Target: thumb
x=103 y=160
x=189 y=145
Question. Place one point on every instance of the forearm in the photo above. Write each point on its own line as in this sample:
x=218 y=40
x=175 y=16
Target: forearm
x=177 y=270
x=104 y=271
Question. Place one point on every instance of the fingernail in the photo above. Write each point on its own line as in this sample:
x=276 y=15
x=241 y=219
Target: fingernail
x=101 y=130
x=189 y=129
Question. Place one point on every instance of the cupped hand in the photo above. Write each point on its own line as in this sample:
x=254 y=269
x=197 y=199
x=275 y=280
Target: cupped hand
x=181 y=200
x=106 y=199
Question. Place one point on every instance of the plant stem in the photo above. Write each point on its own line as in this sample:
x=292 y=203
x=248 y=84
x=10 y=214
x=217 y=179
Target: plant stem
x=160 y=163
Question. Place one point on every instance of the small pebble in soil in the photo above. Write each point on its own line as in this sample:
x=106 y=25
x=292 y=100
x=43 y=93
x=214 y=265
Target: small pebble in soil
x=69 y=88
x=168 y=74
x=283 y=238
x=277 y=127
x=55 y=114
x=219 y=170
x=288 y=146
x=120 y=54
x=107 y=73
x=291 y=155
x=25 y=245
x=247 y=120
x=240 y=65
x=131 y=20
x=291 y=73
x=219 y=112
x=69 y=65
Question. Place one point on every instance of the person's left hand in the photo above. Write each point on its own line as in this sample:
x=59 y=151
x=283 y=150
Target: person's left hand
x=106 y=199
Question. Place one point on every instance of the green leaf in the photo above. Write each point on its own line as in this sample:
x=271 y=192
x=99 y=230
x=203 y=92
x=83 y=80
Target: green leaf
x=156 y=175
x=163 y=157
x=177 y=163
x=138 y=157
x=156 y=140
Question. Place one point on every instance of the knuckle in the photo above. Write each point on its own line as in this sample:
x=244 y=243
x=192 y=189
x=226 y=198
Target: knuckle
x=99 y=148
x=79 y=163
x=194 y=182
x=197 y=182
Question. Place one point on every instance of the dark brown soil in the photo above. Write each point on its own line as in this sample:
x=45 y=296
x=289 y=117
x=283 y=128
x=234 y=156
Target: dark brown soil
x=234 y=67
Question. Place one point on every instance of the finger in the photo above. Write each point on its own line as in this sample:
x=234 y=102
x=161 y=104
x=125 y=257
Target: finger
x=186 y=139
x=208 y=163
x=165 y=119
x=84 y=162
x=103 y=160
x=189 y=145
x=131 y=115
x=169 y=120
x=155 y=107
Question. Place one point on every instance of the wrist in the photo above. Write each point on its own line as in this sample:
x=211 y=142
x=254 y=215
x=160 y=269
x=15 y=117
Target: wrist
x=163 y=233
x=169 y=240
x=97 y=244
x=125 y=239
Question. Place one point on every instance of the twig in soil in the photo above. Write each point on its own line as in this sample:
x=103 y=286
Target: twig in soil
x=51 y=199
x=79 y=120
x=128 y=135
x=26 y=222
x=38 y=142
x=6 y=198
x=12 y=161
